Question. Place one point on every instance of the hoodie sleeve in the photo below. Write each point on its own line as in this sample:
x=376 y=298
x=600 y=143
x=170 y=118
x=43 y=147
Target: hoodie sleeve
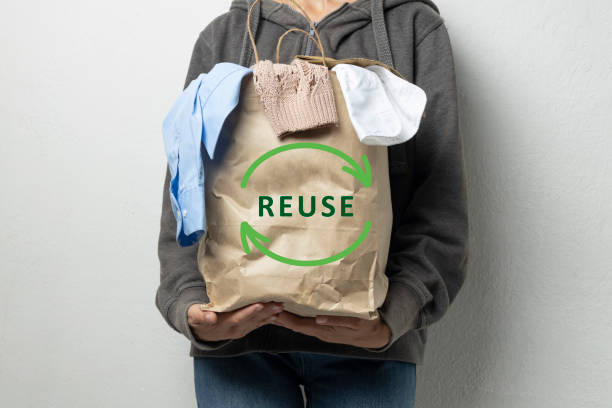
x=181 y=284
x=429 y=249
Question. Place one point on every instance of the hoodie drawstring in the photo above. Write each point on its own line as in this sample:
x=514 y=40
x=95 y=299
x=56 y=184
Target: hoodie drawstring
x=397 y=153
x=383 y=49
x=246 y=54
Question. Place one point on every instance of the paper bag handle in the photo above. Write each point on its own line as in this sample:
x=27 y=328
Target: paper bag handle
x=280 y=40
x=314 y=30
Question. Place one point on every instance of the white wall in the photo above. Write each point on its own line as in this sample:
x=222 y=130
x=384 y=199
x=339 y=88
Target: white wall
x=85 y=86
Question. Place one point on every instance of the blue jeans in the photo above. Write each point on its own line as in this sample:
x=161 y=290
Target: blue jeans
x=271 y=380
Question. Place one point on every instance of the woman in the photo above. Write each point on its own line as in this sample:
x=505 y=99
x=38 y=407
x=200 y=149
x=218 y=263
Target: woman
x=259 y=355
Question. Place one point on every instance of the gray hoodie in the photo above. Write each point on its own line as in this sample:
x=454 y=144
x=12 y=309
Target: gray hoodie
x=428 y=249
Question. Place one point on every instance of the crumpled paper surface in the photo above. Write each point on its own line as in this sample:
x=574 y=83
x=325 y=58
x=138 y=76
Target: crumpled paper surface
x=353 y=286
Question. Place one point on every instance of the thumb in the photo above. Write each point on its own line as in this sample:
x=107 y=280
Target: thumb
x=196 y=316
x=209 y=317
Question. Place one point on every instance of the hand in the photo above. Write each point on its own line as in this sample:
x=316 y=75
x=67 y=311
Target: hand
x=215 y=326
x=339 y=329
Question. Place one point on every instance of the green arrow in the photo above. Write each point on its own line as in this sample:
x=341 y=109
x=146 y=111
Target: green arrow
x=364 y=175
x=248 y=233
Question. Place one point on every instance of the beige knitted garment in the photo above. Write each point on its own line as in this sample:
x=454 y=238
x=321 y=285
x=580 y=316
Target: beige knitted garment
x=295 y=96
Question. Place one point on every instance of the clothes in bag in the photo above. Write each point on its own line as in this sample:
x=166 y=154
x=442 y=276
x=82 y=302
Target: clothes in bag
x=384 y=108
x=196 y=119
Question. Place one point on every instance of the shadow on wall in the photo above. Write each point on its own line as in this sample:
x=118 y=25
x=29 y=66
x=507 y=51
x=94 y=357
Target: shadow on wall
x=460 y=347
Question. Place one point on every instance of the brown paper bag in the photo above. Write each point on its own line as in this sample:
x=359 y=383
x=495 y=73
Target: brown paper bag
x=273 y=257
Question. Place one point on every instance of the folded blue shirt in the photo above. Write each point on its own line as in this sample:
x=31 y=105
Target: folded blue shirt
x=197 y=118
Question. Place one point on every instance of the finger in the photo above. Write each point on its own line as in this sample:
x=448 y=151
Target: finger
x=268 y=320
x=210 y=317
x=244 y=314
x=266 y=315
x=271 y=309
x=306 y=325
x=202 y=317
x=343 y=321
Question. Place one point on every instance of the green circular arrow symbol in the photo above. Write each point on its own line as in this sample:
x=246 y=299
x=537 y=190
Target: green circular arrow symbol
x=248 y=233
x=364 y=175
